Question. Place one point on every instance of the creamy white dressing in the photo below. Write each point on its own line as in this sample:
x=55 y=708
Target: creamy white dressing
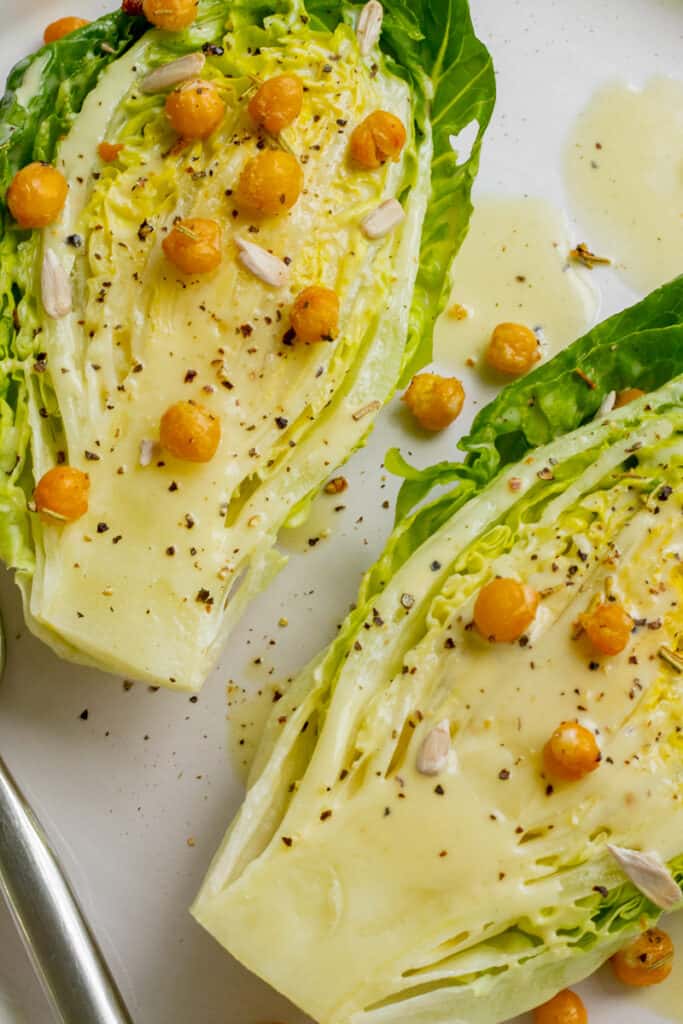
x=400 y=879
x=514 y=266
x=143 y=336
x=624 y=171
x=30 y=83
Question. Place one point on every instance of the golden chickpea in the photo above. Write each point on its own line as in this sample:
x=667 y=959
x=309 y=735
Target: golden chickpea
x=513 y=349
x=195 y=109
x=648 y=960
x=505 y=609
x=380 y=137
x=108 y=151
x=564 y=1008
x=171 y=15
x=37 y=195
x=626 y=396
x=62 y=27
x=190 y=432
x=194 y=245
x=571 y=752
x=277 y=103
x=315 y=314
x=62 y=492
x=608 y=627
x=434 y=401
x=270 y=183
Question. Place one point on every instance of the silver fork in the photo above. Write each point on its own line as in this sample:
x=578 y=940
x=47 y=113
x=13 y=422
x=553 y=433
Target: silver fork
x=75 y=977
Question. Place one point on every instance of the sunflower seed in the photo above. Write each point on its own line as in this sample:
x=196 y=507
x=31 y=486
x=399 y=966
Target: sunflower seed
x=365 y=410
x=649 y=874
x=148 y=452
x=55 y=287
x=53 y=515
x=432 y=756
x=606 y=405
x=174 y=73
x=383 y=220
x=263 y=264
x=369 y=26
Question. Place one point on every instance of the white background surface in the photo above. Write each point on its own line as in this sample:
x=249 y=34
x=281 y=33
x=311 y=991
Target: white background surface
x=122 y=792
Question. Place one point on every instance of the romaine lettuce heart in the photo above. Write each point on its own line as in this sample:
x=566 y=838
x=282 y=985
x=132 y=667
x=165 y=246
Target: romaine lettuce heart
x=150 y=580
x=369 y=890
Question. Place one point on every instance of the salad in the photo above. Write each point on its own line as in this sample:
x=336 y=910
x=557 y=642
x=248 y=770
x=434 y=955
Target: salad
x=226 y=236
x=472 y=799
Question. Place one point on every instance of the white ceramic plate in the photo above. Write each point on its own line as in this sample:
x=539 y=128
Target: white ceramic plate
x=122 y=792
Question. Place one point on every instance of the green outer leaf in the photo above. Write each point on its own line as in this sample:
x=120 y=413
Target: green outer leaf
x=432 y=44
x=640 y=347
x=73 y=65
x=418 y=482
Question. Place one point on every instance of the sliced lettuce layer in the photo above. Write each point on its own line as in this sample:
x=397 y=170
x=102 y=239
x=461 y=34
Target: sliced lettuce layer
x=367 y=891
x=43 y=96
x=150 y=582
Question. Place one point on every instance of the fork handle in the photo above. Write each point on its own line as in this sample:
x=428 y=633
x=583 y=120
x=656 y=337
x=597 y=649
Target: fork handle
x=76 y=980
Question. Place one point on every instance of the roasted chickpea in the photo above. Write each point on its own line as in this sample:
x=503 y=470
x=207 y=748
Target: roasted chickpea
x=626 y=396
x=195 y=109
x=270 y=183
x=513 y=349
x=194 y=245
x=647 y=960
x=504 y=609
x=190 y=432
x=571 y=752
x=108 y=151
x=277 y=103
x=434 y=401
x=380 y=137
x=172 y=15
x=564 y=1008
x=62 y=27
x=62 y=493
x=315 y=314
x=608 y=627
x=37 y=195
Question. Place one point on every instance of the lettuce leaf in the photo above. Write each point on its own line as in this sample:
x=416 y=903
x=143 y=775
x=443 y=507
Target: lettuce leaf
x=432 y=44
